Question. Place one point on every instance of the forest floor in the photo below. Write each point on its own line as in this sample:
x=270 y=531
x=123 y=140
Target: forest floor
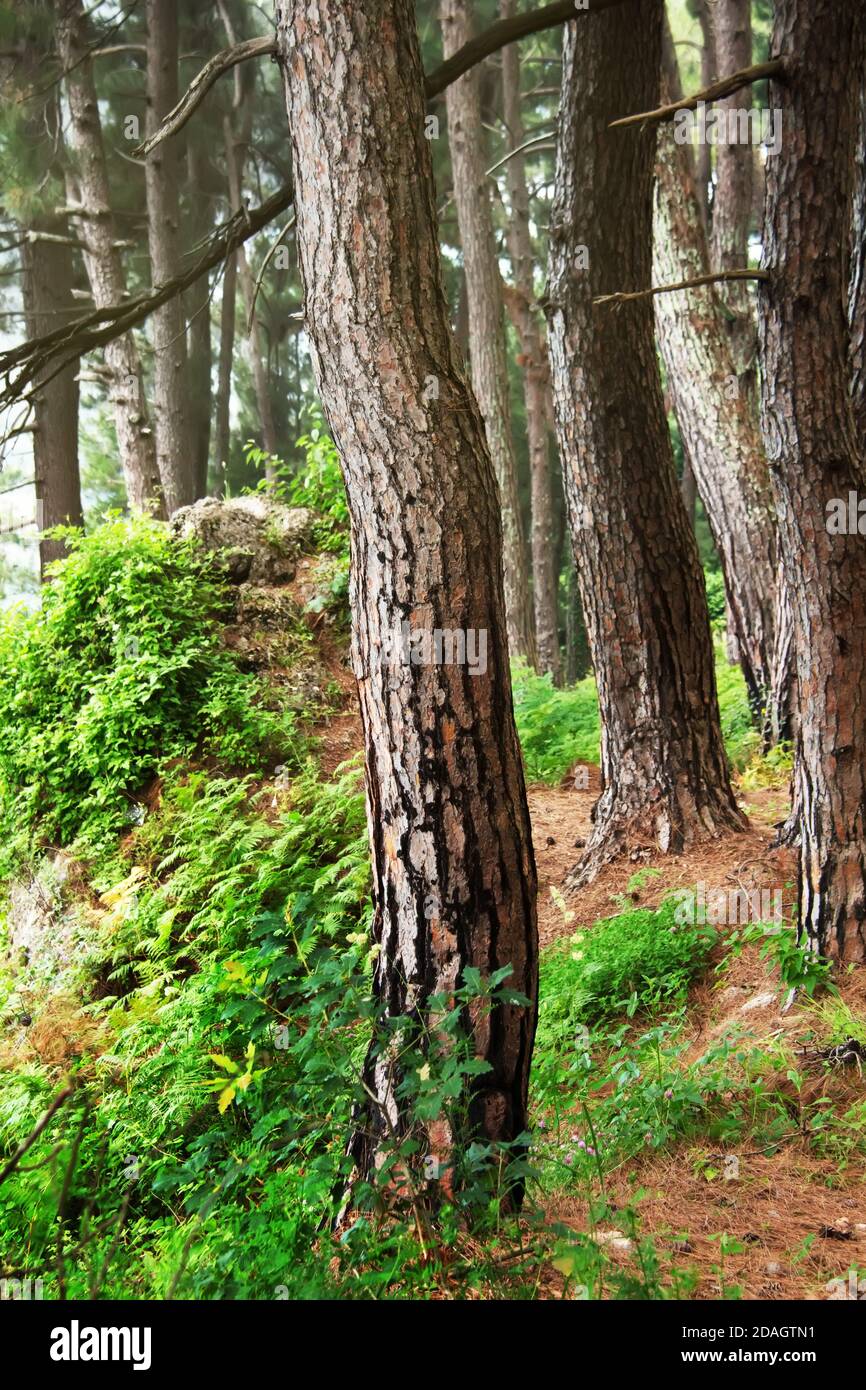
x=792 y=1221
x=799 y=1221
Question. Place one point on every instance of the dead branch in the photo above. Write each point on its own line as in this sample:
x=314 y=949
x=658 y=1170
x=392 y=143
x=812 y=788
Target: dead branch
x=624 y=297
x=725 y=87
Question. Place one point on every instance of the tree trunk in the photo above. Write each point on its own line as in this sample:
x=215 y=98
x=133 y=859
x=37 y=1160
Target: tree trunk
x=454 y=879
x=102 y=257
x=689 y=488
x=488 y=360
x=709 y=70
x=258 y=361
x=664 y=770
x=732 y=199
x=228 y=311
x=197 y=309
x=857 y=281
x=813 y=453
x=720 y=435
x=171 y=388
x=536 y=374
x=47 y=279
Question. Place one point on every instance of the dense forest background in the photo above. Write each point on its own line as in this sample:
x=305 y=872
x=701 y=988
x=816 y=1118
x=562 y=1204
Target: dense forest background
x=527 y=972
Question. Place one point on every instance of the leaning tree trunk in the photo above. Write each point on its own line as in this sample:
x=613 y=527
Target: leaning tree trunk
x=102 y=261
x=171 y=389
x=535 y=367
x=665 y=774
x=487 y=354
x=720 y=435
x=454 y=878
x=813 y=452
x=46 y=283
x=732 y=199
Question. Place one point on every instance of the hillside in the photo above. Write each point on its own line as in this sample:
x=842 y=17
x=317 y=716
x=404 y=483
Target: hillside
x=186 y=965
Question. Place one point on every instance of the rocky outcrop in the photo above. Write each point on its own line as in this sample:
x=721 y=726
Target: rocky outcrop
x=254 y=538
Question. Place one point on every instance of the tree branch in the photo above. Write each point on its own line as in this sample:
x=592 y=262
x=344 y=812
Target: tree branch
x=22 y=365
x=201 y=84
x=497 y=36
x=725 y=87
x=624 y=297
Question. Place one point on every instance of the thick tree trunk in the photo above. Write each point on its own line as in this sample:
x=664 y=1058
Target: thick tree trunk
x=857 y=280
x=171 y=388
x=487 y=354
x=813 y=452
x=732 y=199
x=720 y=435
x=102 y=257
x=47 y=279
x=200 y=352
x=453 y=871
x=536 y=373
x=665 y=774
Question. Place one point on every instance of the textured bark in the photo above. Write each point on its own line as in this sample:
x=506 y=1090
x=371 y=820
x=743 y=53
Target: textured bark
x=665 y=775
x=454 y=879
x=732 y=199
x=46 y=283
x=488 y=359
x=171 y=392
x=200 y=352
x=536 y=373
x=720 y=434
x=102 y=257
x=857 y=281
x=813 y=452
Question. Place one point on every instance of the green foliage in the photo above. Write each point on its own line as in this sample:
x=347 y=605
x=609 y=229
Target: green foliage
x=637 y=961
x=122 y=669
x=715 y=585
x=557 y=728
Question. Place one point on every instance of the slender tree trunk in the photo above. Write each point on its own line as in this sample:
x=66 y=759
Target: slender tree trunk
x=488 y=359
x=709 y=71
x=732 y=200
x=813 y=451
x=200 y=352
x=171 y=388
x=258 y=360
x=453 y=872
x=47 y=279
x=536 y=373
x=720 y=434
x=689 y=488
x=228 y=311
x=665 y=774
x=102 y=257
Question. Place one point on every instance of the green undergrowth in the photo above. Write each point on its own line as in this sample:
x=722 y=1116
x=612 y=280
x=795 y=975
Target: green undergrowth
x=560 y=728
x=211 y=1009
